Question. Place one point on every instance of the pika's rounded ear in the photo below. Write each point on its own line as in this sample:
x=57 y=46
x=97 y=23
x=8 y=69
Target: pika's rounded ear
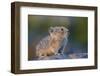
x=67 y=30
x=50 y=29
x=64 y=28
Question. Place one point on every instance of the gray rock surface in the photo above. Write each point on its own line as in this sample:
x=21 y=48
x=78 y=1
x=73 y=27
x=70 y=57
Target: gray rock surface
x=63 y=56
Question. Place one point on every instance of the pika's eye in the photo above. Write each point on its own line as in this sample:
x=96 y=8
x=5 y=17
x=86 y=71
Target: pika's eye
x=51 y=30
x=62 y=29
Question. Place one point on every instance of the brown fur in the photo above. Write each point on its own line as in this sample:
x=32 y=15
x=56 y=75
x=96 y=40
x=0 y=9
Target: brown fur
x=54 y=42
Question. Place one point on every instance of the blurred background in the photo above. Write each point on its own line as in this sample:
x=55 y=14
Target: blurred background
x=77 y=46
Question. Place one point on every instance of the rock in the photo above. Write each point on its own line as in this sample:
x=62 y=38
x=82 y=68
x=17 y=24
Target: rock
x=65 y=56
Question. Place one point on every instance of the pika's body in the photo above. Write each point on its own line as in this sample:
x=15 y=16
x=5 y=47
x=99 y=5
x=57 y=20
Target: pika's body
x=50 y=44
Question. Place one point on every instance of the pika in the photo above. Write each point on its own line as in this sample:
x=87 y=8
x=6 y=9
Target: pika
x=50 y=44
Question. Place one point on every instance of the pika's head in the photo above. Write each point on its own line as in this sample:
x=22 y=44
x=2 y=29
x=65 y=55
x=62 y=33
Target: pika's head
x=58 y=32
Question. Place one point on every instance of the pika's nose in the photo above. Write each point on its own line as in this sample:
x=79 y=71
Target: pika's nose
x=56 y=30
